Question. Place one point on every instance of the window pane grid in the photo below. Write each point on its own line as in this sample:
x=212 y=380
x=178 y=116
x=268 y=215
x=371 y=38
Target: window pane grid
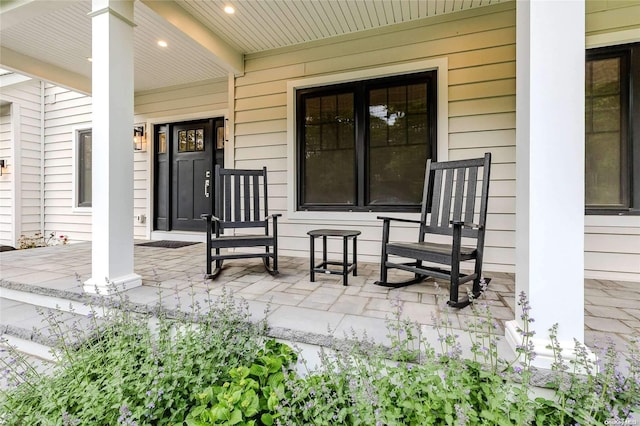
x=605 y=144
x=329 y=149
x=398 y=145
x=363 y=145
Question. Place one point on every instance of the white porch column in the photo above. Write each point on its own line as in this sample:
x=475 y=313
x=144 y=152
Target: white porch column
x=112 y=196
x=550 y=171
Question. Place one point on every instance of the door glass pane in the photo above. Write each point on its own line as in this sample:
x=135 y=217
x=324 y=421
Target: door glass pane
x=604 y=164
x=199 y=139
x=191 y=140
x=398 y=144
x=162 y=143
x=182 y=141
x=329 y=150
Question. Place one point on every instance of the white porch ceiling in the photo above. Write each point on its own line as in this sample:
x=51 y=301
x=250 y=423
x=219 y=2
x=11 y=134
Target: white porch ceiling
x=57 y=34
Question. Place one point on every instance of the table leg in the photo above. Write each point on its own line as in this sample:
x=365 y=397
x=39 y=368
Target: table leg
x=324 y=251
x=345 y=261
x=355 y=256
x=312 y=254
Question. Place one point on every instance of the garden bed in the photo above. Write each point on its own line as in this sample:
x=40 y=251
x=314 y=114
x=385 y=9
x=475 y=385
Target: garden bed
x=214 y=366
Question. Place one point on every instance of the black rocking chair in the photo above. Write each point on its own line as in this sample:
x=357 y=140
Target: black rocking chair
x=449 y=208
x=237 y=205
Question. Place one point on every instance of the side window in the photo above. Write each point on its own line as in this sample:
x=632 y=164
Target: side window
x=83 y=168
x=612 y=139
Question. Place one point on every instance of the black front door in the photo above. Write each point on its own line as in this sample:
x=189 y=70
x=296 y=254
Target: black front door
x=192 y=173
x=186 y=154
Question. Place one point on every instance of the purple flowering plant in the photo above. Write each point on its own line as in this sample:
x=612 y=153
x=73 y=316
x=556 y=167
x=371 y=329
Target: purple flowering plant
x=126 y=364
x=206 y=363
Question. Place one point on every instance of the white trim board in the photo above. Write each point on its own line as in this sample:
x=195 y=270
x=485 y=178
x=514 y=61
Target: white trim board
x=16 y=173
x=612 y=38
x=441 y=65
x=150 y=123
x=75 y=130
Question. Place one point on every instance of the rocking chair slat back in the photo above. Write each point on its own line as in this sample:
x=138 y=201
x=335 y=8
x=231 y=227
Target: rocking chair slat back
x=446 y=199
x=238 y=198
x=471 y=193
x=459 y=193
x=452 y=187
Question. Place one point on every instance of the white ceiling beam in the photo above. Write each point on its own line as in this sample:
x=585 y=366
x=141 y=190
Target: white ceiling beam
x=18 y=11
x=227 y=57
x=12 y=78
x=36 y=68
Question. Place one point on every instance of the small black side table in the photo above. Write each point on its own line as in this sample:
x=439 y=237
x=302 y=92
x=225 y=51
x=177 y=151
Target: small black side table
x=323 y=267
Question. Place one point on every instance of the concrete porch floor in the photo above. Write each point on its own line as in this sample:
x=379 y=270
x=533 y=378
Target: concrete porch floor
x=298 y=306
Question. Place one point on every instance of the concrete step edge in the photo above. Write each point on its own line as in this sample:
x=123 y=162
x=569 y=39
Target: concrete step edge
x=15 y=337
x=10 y=287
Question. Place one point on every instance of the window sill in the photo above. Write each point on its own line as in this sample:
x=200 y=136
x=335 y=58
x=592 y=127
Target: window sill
x=612 y=212
x=81 y=210
x=340 y=216
x=626 y=221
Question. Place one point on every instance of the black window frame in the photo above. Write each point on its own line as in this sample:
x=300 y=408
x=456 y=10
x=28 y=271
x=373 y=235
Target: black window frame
x=630 y=130
x=360 y=89
x=82 y=168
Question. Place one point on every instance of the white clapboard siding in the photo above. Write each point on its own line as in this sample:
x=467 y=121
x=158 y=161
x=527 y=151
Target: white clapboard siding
x=612 y=243
x=205 y=96
x=65 y=111
x=608 y=16
x=480 y=47
x=20 y=142
x=30 y=159
x=141 y=190
x=197 y=100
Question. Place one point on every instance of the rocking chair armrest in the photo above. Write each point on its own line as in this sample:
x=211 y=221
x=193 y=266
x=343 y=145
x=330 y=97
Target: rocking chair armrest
x=465 y=224
x=397 y=219
x=209 y=217
x=273 y=216
x=386 y=226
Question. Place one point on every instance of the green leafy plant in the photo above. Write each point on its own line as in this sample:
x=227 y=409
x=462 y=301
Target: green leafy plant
x=252 y=394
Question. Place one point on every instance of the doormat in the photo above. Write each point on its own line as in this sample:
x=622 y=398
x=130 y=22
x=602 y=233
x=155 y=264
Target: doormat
x=167 y=244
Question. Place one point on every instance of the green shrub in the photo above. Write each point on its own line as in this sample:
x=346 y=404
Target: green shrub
x=362 y=386
x=132 y=373
x=604 y=395
x=214 y=367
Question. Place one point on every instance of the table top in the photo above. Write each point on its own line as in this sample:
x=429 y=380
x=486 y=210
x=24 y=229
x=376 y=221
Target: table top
x=333 y=233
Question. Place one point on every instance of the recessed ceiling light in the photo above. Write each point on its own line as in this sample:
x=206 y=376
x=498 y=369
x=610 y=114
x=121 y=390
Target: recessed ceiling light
x=162 y=43
x=229 y=10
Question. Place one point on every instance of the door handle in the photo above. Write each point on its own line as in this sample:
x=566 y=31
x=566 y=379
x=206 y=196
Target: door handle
x=206 y=187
